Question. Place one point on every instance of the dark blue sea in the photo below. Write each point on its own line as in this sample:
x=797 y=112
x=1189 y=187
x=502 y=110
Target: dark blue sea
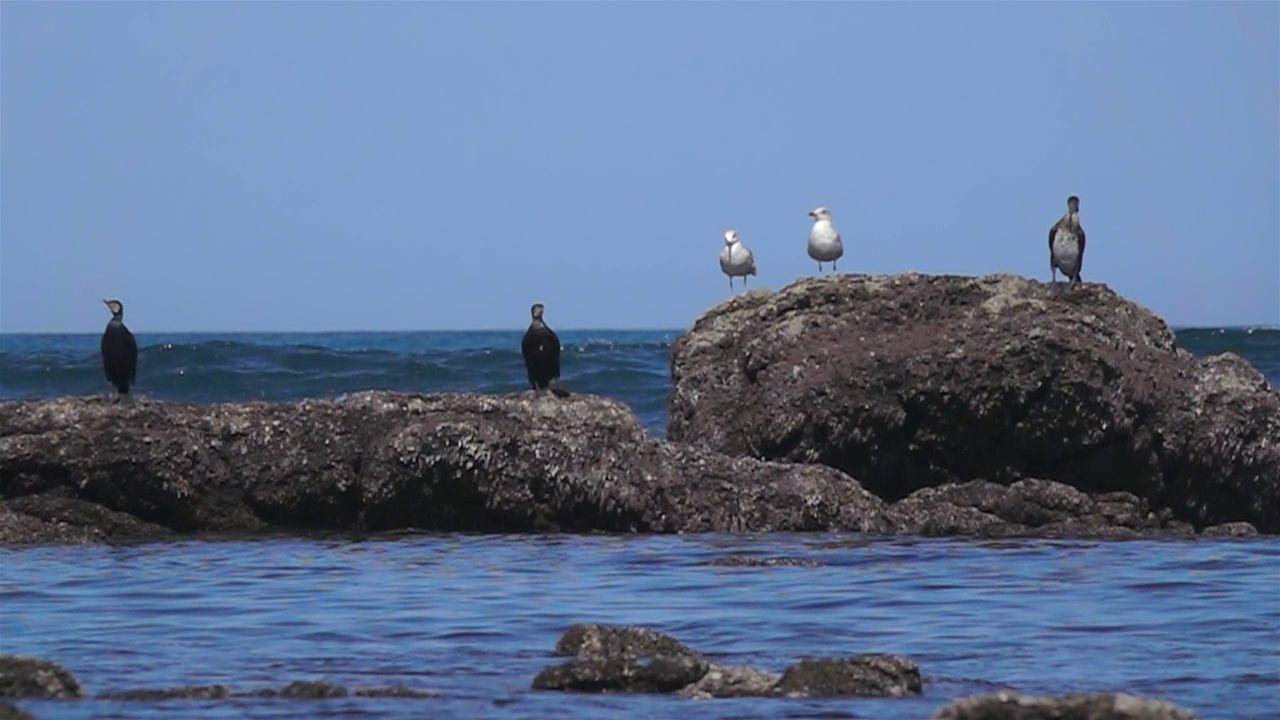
x=474 y=617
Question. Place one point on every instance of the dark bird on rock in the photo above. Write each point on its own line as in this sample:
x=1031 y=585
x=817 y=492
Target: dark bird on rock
x=541 y=350
x=1066 y=243
x=119 y=350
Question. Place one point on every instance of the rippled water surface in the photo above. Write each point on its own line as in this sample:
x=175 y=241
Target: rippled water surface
x=628 y=365
x=475 y=617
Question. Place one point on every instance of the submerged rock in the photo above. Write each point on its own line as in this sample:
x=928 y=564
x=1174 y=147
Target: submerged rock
x=194 y=692
x=1109 y=706
x=31 y=677
x=395 y=691
x=382 y=461
x=621 y=659
x=659 y=674
x=914 y=381
x=1040 y=508
x=857 y=675
x=301 y=689
x=749 y=561
x=638 y=659
x=1235 y=529
x=9 y=711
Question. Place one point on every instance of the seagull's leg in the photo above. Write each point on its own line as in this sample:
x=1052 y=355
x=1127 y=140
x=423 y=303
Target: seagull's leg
x=819 y=266
x=1053 y=270
x=730 y=286
x=833 y=266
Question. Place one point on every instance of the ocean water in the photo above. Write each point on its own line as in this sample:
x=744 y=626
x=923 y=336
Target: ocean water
x=474 y=617
x=204 y=368
x=629 y=365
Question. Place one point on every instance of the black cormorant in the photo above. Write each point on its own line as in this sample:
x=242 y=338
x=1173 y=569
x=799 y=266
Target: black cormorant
x=541 y=350
x=1066 y=243
x=119 y=350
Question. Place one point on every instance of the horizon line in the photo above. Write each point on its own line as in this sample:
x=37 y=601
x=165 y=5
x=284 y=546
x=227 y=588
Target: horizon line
x=336 y=332
x=1176 y=328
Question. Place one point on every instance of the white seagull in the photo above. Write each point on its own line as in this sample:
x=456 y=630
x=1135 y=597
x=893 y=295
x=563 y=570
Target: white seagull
x=736 y=260
x=824 y=239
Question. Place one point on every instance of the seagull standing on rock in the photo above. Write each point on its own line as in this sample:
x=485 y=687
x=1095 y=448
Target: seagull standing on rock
x=824 y=239
x=1066 y=243
x=736 y=260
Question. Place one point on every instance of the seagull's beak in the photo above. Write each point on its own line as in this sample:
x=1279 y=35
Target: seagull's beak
x=106 y=302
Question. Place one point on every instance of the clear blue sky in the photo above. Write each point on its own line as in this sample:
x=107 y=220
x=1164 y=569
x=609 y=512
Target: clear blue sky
x=398 y=165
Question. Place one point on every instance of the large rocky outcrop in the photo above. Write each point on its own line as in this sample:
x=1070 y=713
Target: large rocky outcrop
x=92 y=470
x=96 y=469
x=913 y=381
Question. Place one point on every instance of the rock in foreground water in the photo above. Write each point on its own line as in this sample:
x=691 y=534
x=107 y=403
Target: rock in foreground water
x=638 y=659
x=628 y=658
x=34 y=678
x=92 y=468
x=1110 y=706
x=914 y=381
x=25 y=677
x=12 y=712
x=1039 y=508
x=857 y=675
